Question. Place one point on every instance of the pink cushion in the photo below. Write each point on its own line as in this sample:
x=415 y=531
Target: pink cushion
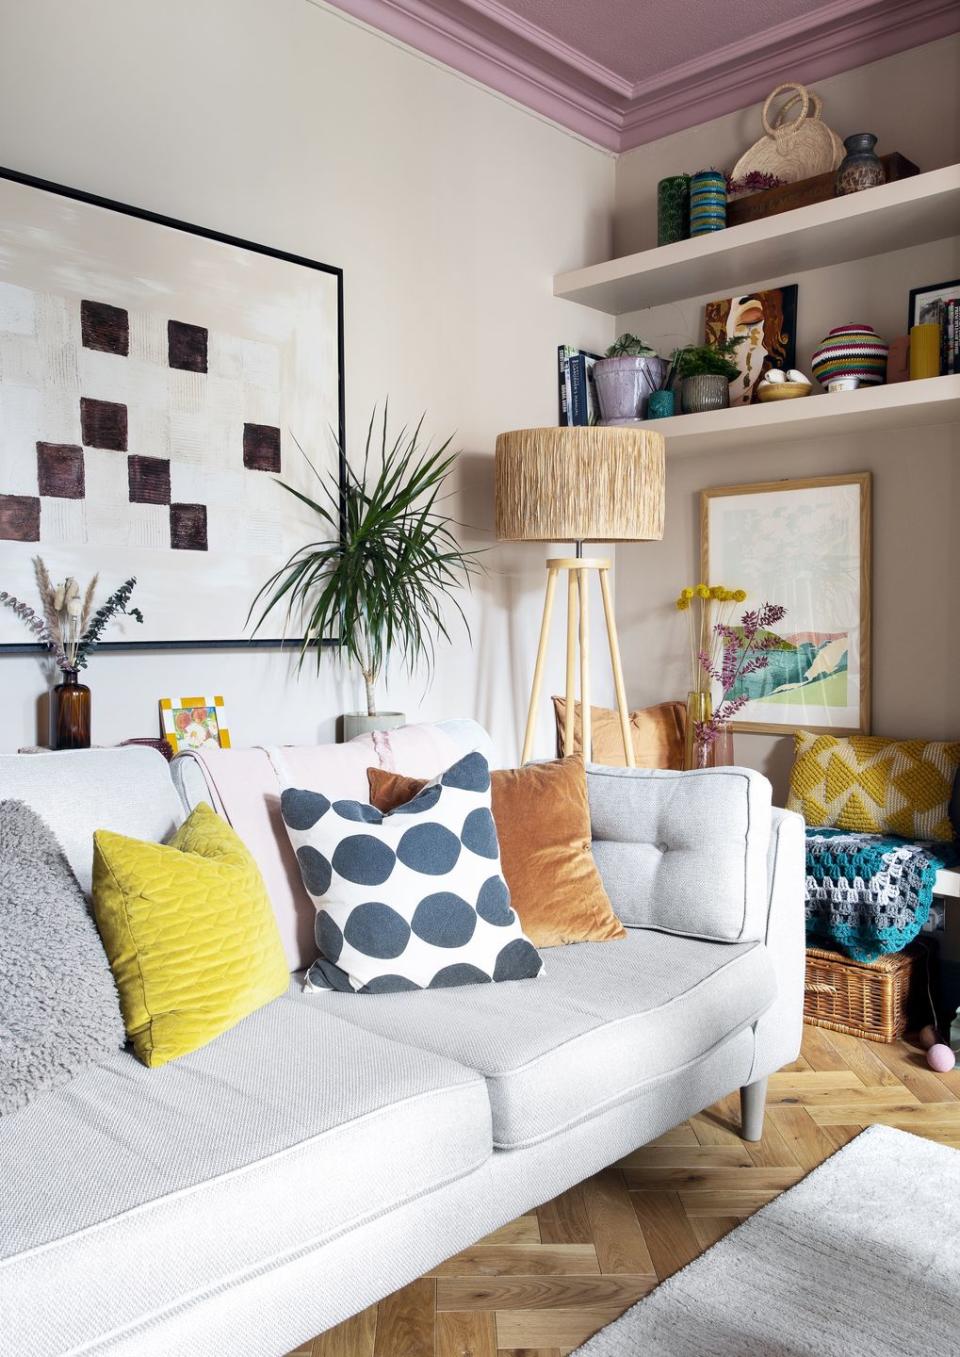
x=242 y=786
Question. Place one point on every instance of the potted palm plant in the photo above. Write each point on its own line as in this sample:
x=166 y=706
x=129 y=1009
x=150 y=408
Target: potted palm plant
x=625 y=377
x=704 y=372
x=390 y=561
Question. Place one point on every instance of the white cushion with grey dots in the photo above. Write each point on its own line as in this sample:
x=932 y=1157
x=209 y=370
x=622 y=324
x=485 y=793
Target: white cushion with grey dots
x=411 y=899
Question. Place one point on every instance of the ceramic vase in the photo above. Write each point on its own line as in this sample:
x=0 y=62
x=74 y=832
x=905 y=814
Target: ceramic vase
x=624 y=385
x=708 y=202
x=70 y=713
x=707 y=391
x=861 y=167
x=673 y=209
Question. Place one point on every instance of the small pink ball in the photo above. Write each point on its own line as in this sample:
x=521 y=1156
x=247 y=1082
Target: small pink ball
x=928 y=1036
x=941 y=1058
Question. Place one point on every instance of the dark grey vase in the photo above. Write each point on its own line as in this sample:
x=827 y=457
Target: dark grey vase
x=861 y=167
x=708 y=391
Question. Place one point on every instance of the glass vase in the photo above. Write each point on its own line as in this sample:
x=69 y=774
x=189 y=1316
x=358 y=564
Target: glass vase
x=715 y=753
x=70 y=713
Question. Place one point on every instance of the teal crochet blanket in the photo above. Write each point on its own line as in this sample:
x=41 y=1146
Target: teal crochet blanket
x=869 y=894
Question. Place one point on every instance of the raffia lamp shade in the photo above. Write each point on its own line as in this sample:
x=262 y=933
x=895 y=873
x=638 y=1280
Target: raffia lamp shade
x=591 y=484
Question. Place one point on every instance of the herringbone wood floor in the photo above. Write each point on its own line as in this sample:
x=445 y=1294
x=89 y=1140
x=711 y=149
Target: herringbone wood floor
x=548 y=1280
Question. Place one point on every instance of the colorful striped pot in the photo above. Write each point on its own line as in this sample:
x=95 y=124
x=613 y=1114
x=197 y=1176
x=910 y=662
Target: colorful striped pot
x=708 y=202
x=851 y=351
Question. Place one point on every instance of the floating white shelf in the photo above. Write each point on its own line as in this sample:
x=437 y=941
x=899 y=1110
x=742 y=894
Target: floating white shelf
x=902 y=405
x=892 y=217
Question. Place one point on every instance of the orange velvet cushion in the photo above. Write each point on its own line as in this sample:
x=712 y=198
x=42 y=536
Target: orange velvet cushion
x=543 y=824
x=657 y=734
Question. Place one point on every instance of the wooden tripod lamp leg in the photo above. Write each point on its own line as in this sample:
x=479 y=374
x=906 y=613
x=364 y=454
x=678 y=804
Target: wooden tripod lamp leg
x=552 y=573
x=617 y=667
x=586 y=733
x=570 y=707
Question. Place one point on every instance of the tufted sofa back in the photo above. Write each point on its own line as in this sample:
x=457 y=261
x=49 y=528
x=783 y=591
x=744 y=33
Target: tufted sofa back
x=684 y=852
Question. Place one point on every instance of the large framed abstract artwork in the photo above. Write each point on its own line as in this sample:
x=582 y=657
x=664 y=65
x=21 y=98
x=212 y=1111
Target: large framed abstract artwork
x=156 y=379
x=804 y=544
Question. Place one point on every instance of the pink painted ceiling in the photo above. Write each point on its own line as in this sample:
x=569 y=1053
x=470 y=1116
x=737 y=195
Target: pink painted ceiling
x=624 y=72
x=640 y=39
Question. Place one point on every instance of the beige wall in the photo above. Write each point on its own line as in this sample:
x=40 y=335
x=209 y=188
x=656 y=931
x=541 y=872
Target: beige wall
x=448 y=209
x=911 y=100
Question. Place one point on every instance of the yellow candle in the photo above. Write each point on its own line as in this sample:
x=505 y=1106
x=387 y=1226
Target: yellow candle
x=924 y=351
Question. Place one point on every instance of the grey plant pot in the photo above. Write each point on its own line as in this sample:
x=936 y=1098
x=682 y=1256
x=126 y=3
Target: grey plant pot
x=360 y=723
x=708 y=391
x=623 y=385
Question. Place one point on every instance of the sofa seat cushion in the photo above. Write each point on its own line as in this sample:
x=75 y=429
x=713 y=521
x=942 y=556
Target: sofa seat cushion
x=130 y=1189
x=602 y=1020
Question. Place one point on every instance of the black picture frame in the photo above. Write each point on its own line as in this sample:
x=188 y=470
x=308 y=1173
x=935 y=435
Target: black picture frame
x=932 y=289
x=207 y=233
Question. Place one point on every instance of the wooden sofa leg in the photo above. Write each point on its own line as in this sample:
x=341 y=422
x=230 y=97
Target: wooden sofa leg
x=753 y=1098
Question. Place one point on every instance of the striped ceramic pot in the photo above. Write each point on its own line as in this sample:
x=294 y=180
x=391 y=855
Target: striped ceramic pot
x=708 y=202
x=851 y=351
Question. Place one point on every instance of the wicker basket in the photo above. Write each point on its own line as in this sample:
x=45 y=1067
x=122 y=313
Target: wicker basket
x=796 y=149
x=875 y=1000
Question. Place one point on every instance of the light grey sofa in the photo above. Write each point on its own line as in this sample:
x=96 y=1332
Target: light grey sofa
x=331 y=1148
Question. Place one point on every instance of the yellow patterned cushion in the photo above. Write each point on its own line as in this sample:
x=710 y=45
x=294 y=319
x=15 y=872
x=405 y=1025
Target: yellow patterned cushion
x=921 y=784
x=189 y=932
x=874 y=785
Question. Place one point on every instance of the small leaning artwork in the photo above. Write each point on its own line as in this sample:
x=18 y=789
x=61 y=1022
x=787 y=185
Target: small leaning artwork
x=805 y=543
x=192 y=722
x=766 y=323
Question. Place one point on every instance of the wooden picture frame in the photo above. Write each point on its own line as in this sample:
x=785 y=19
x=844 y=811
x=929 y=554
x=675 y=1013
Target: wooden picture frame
x=161 y=379
x=764 y=545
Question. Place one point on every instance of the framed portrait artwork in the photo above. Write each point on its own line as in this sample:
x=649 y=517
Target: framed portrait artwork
x=804 y=544
x=926 y=303
x=157 y=379
x=766 y=323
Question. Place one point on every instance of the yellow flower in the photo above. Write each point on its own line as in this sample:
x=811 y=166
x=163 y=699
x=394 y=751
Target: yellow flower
x=682 y=604
x=739 y=595
x=703 y=591
x=718 y=592
x=686 y=593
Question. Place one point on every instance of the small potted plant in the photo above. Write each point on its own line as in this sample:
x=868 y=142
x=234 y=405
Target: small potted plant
x=625 y=377
x=379 y=581
x=704 y=373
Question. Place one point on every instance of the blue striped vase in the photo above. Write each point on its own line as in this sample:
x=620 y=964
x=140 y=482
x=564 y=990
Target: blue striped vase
x=708 y=202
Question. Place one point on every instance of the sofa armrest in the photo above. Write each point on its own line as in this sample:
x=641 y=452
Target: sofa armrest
x=684 y=852
x=779 y=1031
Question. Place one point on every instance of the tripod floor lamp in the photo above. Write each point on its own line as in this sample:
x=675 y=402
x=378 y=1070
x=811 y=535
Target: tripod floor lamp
x=594 y=484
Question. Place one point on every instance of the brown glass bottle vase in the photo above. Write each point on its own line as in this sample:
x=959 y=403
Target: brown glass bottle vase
x=70 y=713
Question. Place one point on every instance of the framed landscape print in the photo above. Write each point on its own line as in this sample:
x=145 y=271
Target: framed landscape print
x=766 y=322
x=804 y=544
x=156 y=379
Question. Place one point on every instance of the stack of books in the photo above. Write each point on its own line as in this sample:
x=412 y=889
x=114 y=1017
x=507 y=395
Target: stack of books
x=578 y=394
x=949 y=336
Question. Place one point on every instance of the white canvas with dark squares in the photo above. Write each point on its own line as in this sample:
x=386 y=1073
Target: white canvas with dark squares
x=151 y=393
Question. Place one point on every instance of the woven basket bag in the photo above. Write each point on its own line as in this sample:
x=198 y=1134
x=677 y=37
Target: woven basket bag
x=792 y=150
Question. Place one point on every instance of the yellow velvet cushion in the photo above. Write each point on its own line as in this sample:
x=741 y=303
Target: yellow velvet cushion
x=874 y=785
x=189 y=932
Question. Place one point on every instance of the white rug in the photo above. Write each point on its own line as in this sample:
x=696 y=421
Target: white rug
x=862 y=1257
